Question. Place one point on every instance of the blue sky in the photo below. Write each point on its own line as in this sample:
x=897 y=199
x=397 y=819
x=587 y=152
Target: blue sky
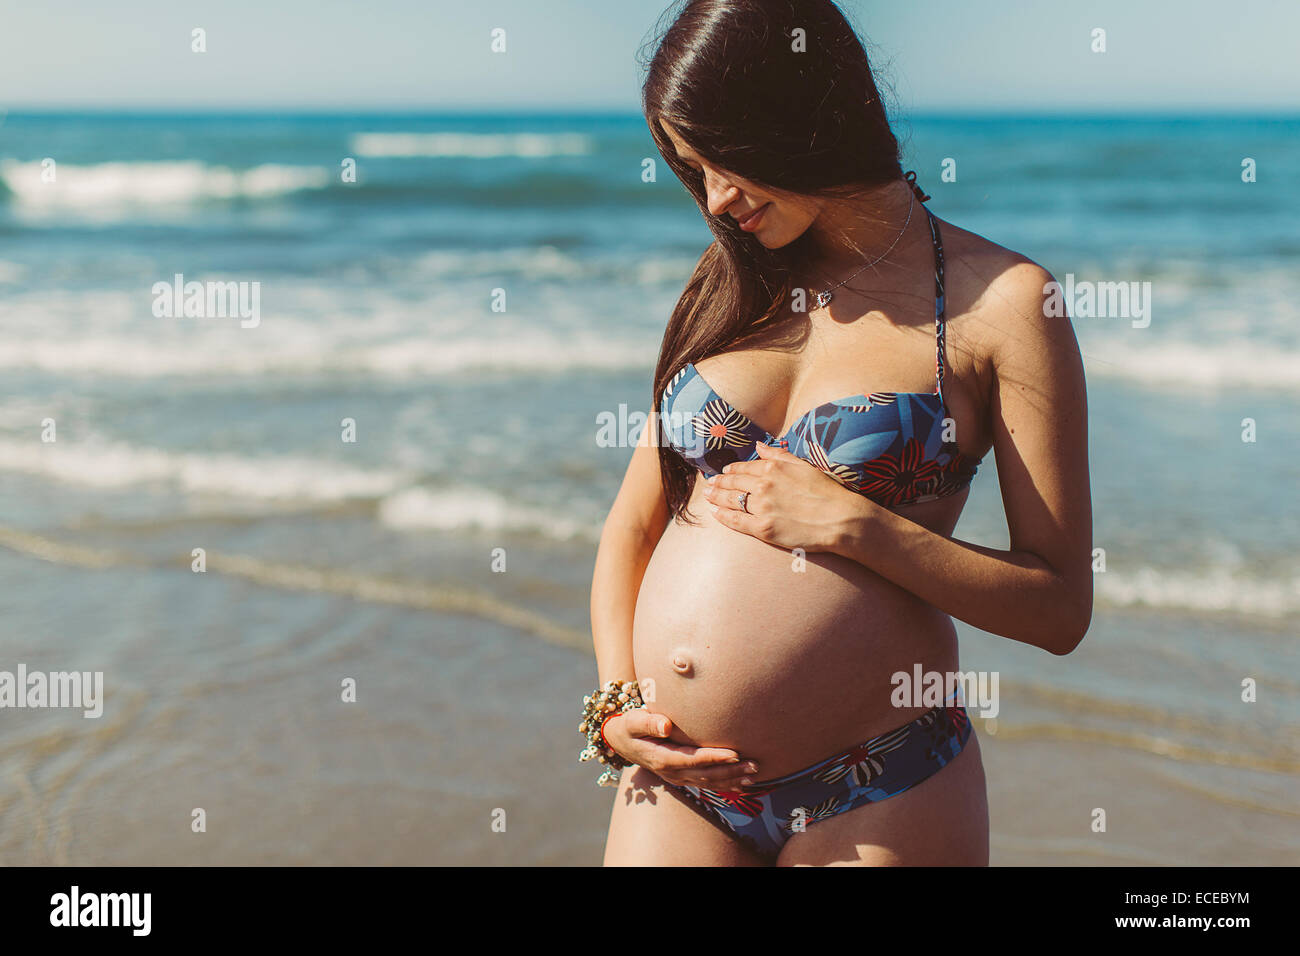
x=1183 y=55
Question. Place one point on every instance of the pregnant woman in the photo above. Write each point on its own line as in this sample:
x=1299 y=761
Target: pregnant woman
x=838 y=366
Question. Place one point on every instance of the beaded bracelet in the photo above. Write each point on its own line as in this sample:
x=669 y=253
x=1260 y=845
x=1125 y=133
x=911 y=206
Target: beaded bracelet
x=609 y=701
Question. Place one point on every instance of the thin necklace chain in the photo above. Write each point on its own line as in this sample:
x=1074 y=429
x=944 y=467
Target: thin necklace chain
x=824 y=298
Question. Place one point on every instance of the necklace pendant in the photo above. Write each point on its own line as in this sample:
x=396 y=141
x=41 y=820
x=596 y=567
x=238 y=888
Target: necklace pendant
x=823 y=299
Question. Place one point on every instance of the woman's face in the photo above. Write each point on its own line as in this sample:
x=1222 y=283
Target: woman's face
x=774 y=221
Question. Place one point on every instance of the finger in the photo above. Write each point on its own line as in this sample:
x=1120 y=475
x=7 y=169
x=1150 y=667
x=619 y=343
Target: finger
x=686 y=757
x=725 y=490
x=642 y=723
x=759 y=467
x=729 y=482
x=770 y=456
x=773 y=452
x=731 y=777
x=743 y=521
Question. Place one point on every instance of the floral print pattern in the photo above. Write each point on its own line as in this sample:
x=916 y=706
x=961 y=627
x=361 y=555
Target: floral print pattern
x=802 y=816
x=887 y=446
x=763 y=817
x=746 y=802
x=722 y=426
x=891 y=452
x=893 y=479
x=865 y=762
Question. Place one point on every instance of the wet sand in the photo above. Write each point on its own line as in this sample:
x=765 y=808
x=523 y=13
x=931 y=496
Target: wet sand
x=458 y=719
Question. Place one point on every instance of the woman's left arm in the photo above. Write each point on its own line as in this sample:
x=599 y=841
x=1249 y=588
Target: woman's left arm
x=1039 y=591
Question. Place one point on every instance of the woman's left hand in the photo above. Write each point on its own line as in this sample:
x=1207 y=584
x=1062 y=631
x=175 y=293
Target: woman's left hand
x=791 y=503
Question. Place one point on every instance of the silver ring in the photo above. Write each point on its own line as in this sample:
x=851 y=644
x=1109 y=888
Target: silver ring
x=741 y=499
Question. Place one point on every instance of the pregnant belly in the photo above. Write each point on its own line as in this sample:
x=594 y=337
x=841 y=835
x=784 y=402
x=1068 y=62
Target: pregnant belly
x=787 y=661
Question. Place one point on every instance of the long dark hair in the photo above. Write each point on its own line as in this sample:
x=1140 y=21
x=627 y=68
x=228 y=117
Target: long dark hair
x=730 y=78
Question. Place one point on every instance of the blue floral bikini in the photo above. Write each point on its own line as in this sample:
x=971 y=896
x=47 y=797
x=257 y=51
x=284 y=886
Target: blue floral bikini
x=764 y=816
x=891 y=447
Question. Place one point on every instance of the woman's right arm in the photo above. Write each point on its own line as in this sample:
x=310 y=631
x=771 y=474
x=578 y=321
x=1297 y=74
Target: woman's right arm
x=632 y=530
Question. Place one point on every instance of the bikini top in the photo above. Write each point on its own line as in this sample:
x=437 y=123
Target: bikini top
x=890 y=447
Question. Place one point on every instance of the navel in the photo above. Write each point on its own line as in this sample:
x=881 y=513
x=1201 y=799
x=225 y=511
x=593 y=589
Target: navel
x=682 y=663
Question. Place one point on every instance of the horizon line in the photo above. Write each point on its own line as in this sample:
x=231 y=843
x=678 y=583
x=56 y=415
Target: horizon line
x=497 y=111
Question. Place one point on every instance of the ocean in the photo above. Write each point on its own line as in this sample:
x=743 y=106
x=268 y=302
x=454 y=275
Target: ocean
x=391 y=474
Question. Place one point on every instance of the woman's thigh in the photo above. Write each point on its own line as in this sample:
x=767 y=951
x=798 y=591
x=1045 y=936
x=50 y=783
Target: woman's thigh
x=651 y=827
x=942 y=821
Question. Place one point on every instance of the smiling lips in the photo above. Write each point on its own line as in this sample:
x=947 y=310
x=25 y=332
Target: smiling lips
x=750 y=220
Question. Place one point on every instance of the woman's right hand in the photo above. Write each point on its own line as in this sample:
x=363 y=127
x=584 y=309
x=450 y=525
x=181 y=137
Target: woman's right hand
x=639 y=736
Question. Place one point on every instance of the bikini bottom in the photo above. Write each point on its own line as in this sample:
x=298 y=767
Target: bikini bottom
x=762 y=817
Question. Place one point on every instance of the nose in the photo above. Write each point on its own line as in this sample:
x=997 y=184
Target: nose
x=720 y=193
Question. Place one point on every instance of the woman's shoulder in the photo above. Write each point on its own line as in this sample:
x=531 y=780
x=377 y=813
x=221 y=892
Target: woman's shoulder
x=997 y=295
